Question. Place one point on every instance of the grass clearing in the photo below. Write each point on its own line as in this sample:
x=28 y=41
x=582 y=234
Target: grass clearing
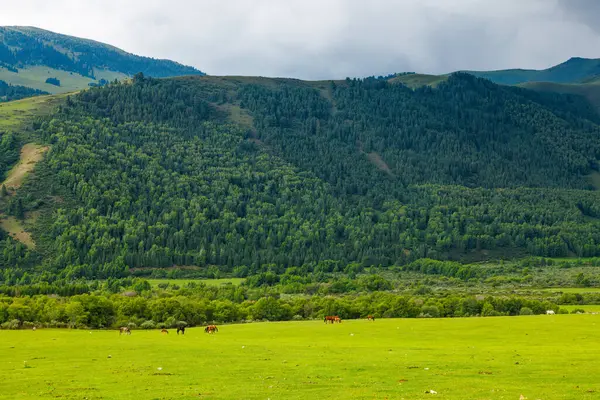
x=31 y=154
x=35 y=77
x=541 y=357
x=415 y=81
x=16 y=230
x=14 y=113
x=208 y=282
x=572 y=290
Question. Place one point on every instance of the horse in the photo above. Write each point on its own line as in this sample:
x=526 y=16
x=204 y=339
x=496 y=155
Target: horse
x=211 y=329
x=182 y=329
x=329 y=318
x=337 y=319
x=164 y=331
x=124 y=330
x=370 y=318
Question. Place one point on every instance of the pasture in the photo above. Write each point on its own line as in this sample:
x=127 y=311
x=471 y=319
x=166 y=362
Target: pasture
x=541 y=357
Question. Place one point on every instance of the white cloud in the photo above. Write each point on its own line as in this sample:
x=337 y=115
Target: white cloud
x=326 y=38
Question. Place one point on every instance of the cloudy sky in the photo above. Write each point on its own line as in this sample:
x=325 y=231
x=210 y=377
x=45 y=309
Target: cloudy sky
x=320 y=39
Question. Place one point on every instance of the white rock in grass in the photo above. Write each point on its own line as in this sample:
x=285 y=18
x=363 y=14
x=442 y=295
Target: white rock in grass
x=159 y=368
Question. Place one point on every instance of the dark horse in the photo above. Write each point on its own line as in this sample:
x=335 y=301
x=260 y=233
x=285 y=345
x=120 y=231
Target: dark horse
x=211 y=329
x=370 y=318
x=124 y=330
x=332 y=319
x=182 y=329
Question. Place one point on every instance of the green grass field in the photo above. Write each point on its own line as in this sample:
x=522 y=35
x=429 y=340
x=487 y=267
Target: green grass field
x=208 y=282
x=541 y=357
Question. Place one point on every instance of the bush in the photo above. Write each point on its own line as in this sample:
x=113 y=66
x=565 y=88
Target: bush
x=577 y=311
x=297 y=318
x=14 y=324
x=28 y=325
x=53 y=81
x=526 y=311
x=148 y=325
x=430 y=311
x=131 y=325
x=563 y=311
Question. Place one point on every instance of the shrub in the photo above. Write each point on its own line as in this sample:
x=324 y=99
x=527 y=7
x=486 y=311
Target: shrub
x=431 y=311
x=577 y=311
x=148 y=325
x=297 y=317
x=53 y=81
x=14 y=324
x=526 y=311
x=131 y=325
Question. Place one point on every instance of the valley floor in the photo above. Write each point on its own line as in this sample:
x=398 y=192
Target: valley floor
x=540 y=357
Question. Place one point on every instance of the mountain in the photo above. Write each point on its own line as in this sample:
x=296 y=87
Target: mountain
x=575 y=70
x=30 y=56
x=260 y=174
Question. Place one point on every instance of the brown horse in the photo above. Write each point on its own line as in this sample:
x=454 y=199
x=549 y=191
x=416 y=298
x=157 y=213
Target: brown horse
x=211 y=329
x=332 y=319
x=337 y=319
x=164 y=331
x=124 y=330
x=370 y=318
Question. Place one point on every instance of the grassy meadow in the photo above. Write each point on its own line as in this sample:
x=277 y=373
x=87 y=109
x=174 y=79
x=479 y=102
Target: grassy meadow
x=541 y=357
x=35 y=77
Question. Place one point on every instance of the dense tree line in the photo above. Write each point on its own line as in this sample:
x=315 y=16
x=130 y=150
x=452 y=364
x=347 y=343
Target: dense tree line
x=195 y=305
x=16 y=92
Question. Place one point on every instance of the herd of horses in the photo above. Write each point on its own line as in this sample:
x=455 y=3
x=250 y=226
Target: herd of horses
x=209 y=329
x=213 y=328
x=336 y=319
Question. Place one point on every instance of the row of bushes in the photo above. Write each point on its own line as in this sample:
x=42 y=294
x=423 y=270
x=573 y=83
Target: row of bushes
x=105 y=311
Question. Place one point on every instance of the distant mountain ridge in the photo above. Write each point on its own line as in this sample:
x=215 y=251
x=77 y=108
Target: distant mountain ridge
x=29 y=55
x=574 y=70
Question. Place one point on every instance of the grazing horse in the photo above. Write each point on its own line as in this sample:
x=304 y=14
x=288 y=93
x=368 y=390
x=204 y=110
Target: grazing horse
x=329 y=318
x=370 y=318
x=164 y=331
x=211 y=329
x=124 y=330
x=182 y=329
x=337 y=319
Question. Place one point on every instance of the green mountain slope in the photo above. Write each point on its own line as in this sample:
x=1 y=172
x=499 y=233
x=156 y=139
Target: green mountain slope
x=590 y=89
x=251 y=172
x=575 y=70
x=29 y=56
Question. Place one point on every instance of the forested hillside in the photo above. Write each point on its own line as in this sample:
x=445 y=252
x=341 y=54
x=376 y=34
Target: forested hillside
x=242 y=173
x=29 y=56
